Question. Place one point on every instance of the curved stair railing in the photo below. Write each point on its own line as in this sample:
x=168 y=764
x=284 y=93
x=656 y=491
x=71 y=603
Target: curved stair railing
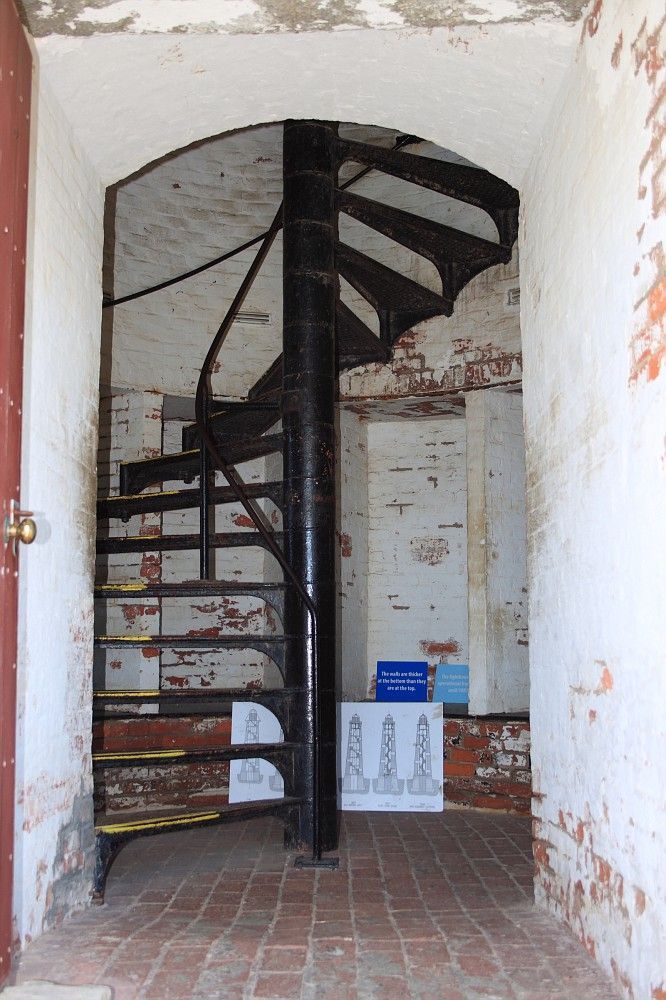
x=210 y=450
x=400 y=303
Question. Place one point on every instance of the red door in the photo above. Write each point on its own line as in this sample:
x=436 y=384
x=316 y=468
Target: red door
x=15 y=81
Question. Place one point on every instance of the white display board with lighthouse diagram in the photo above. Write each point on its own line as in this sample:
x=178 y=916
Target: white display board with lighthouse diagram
x=391 y=756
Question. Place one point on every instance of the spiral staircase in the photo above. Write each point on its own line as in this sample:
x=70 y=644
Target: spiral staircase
x=289 y=412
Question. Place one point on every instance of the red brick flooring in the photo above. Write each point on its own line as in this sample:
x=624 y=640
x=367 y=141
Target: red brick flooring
x=430 y=906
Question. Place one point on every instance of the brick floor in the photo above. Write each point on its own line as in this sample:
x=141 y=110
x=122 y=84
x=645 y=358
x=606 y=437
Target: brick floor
x=430 y=906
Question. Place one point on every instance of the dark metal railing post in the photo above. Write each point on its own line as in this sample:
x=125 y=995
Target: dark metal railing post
x=310 y=290
x=206 y=511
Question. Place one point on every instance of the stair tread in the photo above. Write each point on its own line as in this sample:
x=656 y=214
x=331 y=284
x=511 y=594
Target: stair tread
x=356 y=344
x=238 y=441
x=170 y=641
x=455 y=180
x=388 y=289
x=176 y=694
x=457 y=256
x=142 y=472
x=164 y=818
x=140 y=503
x=172 y=755
x=183 y=588
x=357 y=340
x=236 y=422
x=179 y=543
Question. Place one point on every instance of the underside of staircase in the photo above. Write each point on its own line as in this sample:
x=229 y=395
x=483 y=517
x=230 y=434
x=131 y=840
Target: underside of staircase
x=288 y=412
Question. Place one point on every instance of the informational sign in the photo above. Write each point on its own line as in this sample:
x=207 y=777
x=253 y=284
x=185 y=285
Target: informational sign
x=391 y=757
x=253 y=777
x=452 y=683
x=402 y=680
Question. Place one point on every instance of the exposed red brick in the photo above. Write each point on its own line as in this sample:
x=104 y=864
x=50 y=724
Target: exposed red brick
x=476 y=742
x=458 y=753
x=345 y=544
x=448 y=648
x=460 y=770
x=493 y=802
x=243 y=521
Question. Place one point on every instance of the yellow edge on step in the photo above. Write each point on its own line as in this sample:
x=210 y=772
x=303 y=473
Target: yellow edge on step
x=125 y=694
x=158 y=458
x=155 y=824
x=126 y=638
x=134 y=587
x=144 y=755
x=139 y=496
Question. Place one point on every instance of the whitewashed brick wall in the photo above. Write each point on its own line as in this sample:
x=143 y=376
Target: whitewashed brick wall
x=54 y=835
x=595 y=397
x=417 y=582
x=352 y=571
x=499 y=662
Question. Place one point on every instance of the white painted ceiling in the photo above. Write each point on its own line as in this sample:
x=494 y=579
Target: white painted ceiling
x=484 y=89
x=88 y=17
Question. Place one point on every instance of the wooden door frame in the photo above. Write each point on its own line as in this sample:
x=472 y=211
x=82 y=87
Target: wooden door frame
x=15 y=93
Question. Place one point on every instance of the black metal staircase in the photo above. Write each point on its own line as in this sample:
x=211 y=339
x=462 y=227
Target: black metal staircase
x=321 y=337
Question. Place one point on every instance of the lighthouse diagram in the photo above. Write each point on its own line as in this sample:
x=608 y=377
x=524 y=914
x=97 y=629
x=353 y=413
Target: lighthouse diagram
x=387 y=782
x=250 y=772
x=353 y=780
x=422 y=783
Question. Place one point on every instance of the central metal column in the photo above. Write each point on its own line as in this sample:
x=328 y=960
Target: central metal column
x=308 y=414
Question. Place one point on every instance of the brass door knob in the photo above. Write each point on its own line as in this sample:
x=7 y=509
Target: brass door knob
x=19 y=526
x=24 y=531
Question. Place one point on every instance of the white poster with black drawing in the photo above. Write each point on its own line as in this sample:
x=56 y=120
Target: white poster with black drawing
x=253 y=777
x=391 y=756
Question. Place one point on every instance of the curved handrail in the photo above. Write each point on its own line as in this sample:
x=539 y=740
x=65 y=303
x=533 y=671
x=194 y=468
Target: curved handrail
x=202 y=411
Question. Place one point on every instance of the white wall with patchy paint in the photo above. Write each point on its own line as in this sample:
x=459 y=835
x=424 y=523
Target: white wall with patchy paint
x=353 y=554
x=496 y=553
x=593 y=297
x=54 y=784
x=417 y=503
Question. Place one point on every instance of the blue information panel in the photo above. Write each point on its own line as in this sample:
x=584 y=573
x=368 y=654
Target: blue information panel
x=452 y=683
x=400 y=680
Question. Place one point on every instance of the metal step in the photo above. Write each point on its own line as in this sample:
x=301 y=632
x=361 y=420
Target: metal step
x=457 y=256
x=287 y=704
x=225 y=641
x=243 y=419
x=135 y=476
x=114 y=831
x=182 y=543
x=271 y=593
x=281 y=755
x=148 y=503
x=356 y=345
x=399 y=302
x=455 y=180
x=272 y=646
